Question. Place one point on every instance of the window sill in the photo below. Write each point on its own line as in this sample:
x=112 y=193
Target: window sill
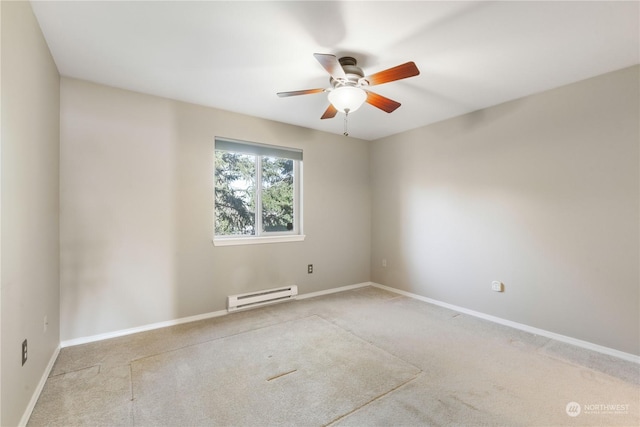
x=234 y=241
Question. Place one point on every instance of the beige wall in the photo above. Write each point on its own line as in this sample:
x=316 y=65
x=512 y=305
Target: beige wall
x=540 y=193
x=30 y=231
x=137 y=203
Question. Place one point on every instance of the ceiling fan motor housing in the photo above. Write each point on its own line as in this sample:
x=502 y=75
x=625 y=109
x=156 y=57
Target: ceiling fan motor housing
x=353 y=73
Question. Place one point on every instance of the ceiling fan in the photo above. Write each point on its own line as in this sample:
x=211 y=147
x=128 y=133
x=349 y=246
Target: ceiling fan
x=348 y=85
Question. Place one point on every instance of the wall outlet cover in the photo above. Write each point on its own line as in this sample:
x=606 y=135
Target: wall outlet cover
x=24 y=352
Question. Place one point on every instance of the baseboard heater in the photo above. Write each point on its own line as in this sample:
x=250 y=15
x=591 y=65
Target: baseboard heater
x=256 y=299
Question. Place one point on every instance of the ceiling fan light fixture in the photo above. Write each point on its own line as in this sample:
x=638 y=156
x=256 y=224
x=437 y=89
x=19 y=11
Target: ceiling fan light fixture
x=347 y=98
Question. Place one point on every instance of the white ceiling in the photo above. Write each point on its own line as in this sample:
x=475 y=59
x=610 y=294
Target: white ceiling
x=237 y=55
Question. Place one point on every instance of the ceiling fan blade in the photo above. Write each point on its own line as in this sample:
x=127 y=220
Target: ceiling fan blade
x=399 y=72
x=331 y=64
x=330 y=112
x=381 y=102
x=300 y=92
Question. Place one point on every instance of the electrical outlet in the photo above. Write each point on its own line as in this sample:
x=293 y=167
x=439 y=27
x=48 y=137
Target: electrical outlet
x=310 y=268
x=497 y=286
x=384 y=262
x=24 y=352
x=45 y=324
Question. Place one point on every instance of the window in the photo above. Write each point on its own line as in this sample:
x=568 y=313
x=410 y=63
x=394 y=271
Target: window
x=257 y=193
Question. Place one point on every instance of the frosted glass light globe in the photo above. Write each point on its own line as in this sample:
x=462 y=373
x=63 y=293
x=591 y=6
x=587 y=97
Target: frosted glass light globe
x=347 y=98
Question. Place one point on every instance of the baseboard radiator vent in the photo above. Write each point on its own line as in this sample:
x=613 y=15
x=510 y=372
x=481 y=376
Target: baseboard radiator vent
x=256 y=299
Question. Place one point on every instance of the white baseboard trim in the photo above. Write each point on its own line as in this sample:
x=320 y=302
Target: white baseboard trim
x=563 y=338
x=123 y=332
x=333 y=290
x=38 y=390
x=150 y=327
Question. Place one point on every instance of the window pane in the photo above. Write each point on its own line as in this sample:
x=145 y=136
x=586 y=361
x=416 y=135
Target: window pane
x=235 y=193
x=277 y=194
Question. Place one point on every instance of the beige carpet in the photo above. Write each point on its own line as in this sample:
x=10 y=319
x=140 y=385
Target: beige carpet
x=357 y=358
x=302 y=372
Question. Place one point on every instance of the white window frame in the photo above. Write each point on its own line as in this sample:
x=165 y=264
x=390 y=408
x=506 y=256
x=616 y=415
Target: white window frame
x=261 y=237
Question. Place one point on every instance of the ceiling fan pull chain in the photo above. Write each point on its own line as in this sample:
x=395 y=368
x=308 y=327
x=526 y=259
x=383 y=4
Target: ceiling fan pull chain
x=346 y=117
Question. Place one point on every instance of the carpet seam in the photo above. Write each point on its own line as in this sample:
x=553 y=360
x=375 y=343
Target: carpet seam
x=133 y=400
x=131 y=383
x=371 y=343
x=221 y=338
x=540 y=351
x=75 y=370
x=374 y=399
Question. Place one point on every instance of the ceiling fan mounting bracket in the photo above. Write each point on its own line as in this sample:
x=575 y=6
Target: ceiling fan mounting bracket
x=347 y=60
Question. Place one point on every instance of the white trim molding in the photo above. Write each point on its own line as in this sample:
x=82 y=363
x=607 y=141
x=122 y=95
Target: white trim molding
x=38 y=390
x=334 y=290
x=144 y=328
x=235 y=241
x=150 y=327
x=552 y=335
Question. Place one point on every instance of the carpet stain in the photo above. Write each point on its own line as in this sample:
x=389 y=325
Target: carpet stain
x=498 y=387
x=588 y=375
x=516 y=343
